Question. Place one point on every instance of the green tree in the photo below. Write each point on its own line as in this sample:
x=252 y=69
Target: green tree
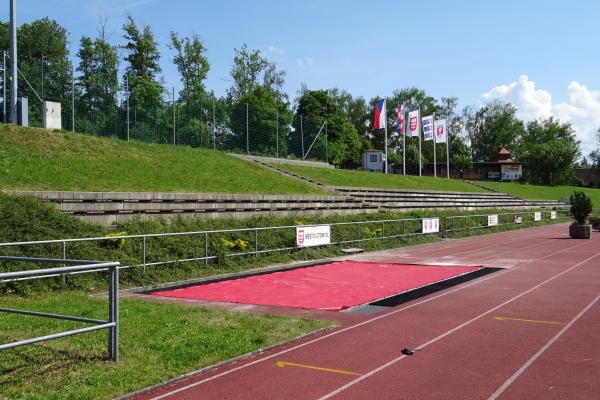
x=192 y=64
x=492 y=127
x=460 y=154
x=143 y=69
x=549 y=151
x=44 y=62
x=97 y=86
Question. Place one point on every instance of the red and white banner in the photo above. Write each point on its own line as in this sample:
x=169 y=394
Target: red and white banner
x=552 y=214
x=441 y=131
x=537 y=216
x=427 y=127
x=492 y=220
x=414 y=125
x=400 y=120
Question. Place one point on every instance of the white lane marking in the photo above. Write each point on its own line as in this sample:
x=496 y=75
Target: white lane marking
x=451 y=331
x=541 y=351
x=230 y=371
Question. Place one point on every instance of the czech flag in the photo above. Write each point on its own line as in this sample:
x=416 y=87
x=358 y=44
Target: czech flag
x=380 y=121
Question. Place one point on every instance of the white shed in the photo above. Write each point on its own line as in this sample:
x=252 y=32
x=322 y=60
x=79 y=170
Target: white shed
x=372 y=160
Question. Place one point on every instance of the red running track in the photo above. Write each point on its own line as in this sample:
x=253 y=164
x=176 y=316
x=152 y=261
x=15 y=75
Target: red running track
x=530 y=331
x=333 y=286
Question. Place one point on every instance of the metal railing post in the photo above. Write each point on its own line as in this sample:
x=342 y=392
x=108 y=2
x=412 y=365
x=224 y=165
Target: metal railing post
x=144 y=254
x=256 y=243
x=113 y=312
x=382 y=231
x=206 y=248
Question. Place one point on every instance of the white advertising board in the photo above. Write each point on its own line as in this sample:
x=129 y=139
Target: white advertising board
x=537 y=216
x=492 y=220
x=518 y=219
x=52 y=118
x=552 y=214
x=431 y=225
x=511 y=172
x=307 y=236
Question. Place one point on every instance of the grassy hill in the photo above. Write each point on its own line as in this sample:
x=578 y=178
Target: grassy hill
x=33 y=158
x=538 y=192
x=340 y=177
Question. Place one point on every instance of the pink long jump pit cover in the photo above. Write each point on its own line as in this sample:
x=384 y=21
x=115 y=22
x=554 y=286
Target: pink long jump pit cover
x=334 y=286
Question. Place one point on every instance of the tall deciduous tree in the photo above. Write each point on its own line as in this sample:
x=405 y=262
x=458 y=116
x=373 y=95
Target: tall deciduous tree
x=192 y=64
x=549 y=151
x=143 y=69
x=492 y=127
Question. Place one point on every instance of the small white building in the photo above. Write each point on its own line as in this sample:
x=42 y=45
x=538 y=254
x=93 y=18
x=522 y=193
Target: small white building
x=372 y=160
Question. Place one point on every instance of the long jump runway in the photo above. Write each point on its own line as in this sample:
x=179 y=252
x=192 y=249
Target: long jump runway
x=529 y=331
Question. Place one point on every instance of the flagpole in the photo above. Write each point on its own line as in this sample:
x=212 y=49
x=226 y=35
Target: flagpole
x=434 y=155
x=420 y=161
x=385 y=150
x=403 y=144
x=447 y=151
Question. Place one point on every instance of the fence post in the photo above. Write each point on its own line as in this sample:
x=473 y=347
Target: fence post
x=247 y=132
x=256 y=243
x=302 y=136
x=72 y=99
x=277 y=134
x=144 y=254
x=206 y=248
x=4 y=86
x=113 y=312
x=214 y=126
x=174 y=143
x=127 y=101
x=326 y=152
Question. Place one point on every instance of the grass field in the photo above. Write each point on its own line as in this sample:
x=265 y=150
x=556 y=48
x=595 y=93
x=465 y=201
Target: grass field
x=538 y=192
x=158 y=342
x=33 y=158
x=340 y=177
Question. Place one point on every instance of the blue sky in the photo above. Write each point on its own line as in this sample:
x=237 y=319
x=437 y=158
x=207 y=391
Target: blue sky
x=541 y=55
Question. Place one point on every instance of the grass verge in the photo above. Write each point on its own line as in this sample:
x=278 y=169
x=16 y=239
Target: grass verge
x=159 y=341
x=340 y=177
x=33 y=158
x=539 y=192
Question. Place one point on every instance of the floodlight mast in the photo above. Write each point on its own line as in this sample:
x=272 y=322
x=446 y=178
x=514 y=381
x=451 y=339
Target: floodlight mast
x=13 y=62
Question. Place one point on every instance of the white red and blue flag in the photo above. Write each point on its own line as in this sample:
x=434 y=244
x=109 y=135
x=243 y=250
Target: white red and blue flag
x=380 y=121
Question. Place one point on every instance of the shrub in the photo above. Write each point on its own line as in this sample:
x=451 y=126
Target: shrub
x=581 y=206
x=595 y=222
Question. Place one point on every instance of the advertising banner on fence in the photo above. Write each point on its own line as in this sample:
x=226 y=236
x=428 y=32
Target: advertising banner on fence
x=537 y=216
x=552 y=214
x=518 y=219
x=492 y=220
x=307 y=236
x=431 y=225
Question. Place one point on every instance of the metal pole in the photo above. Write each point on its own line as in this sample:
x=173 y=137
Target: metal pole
x=72 y=99
x=403 y=143
x=4 y=86
x=434 y=155
x=42 y=65
x=127 y=103
x=326 y=152
x=420 y=160
x=247 y=132
x=174 y=116
x=113 y=312
x=447 y=153
x=214 y=127
x=385 y=151
x=13 y=62
x=277 y=134
x=302 y=136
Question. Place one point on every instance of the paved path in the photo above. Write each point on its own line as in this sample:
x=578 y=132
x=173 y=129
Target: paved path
x=529 y=331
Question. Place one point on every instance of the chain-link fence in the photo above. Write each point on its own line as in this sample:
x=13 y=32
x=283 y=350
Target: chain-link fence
x=209 y=122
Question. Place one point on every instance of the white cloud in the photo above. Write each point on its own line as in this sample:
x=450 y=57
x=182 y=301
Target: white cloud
x=305 y=62
x=582 y=110
x=275 y=54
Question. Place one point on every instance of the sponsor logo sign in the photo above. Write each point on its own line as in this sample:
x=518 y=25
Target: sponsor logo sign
x=537 y=216
x=427 y=128
x=518 y=219
x=552 y=214
x=431 y=225
x=492 y=220
x=307 y=236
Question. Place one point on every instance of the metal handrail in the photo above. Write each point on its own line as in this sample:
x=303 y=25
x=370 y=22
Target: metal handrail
x=112 y=324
